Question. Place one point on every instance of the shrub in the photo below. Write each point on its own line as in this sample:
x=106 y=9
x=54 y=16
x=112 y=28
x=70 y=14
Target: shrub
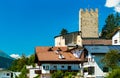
x=58 y=74
x=114 y=74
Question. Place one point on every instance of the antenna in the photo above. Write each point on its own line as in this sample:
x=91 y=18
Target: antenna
x=88 y=7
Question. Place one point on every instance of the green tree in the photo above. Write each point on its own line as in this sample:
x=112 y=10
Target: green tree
x=111 y=23
x=111 y=59
x=24 y=72
x=63 y=31
x=61 y=74
x=114 y=74
x=31 y=60
x=19 y=63
x=58 y=74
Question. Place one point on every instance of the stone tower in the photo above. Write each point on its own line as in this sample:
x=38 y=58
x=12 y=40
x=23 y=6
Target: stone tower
x=88 y=23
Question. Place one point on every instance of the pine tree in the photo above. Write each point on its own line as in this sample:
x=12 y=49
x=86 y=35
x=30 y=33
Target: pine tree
x=63 y=31
x=111 y=23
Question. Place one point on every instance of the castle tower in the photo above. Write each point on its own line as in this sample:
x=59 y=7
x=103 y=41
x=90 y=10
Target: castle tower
x=88 y=23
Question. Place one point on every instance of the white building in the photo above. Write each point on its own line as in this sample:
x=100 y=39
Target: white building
x=116 y=37
x=94 y=68
x=51 y=59
x=6 y=74
x=32 y=70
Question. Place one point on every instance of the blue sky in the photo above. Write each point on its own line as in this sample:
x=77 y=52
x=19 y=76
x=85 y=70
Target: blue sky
x=25 y=24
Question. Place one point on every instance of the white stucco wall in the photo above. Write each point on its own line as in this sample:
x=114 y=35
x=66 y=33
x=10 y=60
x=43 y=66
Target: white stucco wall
x=79 y=40
x=5 y=74
x=32 y=69
x=60 y=41
x=116 y=37
x=32 y=72
x=98 y=73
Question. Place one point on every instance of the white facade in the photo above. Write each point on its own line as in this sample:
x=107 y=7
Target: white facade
x=60 y=41
x=6 y=74
x=116 y=38
x=96 y=73
x=32 y=69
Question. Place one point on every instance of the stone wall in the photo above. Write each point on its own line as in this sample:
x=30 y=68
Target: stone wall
x=88 y=23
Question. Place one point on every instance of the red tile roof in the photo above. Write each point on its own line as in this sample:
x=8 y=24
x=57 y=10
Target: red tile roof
x=44 y=55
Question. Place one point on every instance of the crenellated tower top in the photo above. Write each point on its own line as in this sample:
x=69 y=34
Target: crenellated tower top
x=89 y=10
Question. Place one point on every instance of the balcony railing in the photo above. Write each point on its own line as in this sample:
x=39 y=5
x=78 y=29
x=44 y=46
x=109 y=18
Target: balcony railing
x=89 y=63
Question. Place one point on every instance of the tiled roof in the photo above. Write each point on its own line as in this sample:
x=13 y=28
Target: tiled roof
x=44 y=54
x=96 y=41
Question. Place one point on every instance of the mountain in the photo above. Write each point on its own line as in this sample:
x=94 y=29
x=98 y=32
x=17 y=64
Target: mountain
x=5 y=60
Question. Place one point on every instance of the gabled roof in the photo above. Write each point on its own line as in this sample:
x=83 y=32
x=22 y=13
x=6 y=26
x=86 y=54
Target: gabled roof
x=101 y=48
x=47 y=54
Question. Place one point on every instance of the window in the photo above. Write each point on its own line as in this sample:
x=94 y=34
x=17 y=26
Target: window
x=62 y=66
x=115 y=41
x=8 y=74
x=46 y=67
x=105 y=69
x=85 y=70
x=69 y=67
x=91 y=70
x=43 y=67
x=55 y=67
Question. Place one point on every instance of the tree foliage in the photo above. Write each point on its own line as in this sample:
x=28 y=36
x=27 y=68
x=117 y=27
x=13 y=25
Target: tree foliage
x=19 y=63
x=61 y=74
x=111 y=23
x=63 y=31
x=111 y=59
x=24 y=72
x=114 y=74
x=58 y=74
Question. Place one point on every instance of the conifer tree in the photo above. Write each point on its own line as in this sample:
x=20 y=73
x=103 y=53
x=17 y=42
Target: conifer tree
x=111 y=23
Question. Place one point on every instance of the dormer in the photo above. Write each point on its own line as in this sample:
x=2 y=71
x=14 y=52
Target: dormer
x=61 y=56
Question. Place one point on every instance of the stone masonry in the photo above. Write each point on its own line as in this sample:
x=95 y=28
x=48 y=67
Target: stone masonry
x=88 y=23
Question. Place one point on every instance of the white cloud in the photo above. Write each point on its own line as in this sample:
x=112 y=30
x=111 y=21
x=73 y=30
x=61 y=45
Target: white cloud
x=16 y=56
x=113 y=4
x=117 y=9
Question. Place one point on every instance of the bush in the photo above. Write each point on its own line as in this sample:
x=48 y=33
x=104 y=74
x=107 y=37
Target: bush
x=114 y=74
x=58 y=74
x=61 y=74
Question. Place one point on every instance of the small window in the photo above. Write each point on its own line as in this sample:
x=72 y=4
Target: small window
x=55 y=67
x=43 y=67
x=47 y=67
x=115 y=41
x=105 y=69
x=69 y=67
x=62 y=66
x=85 y=70
x=91 y=70
x=8 y=74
